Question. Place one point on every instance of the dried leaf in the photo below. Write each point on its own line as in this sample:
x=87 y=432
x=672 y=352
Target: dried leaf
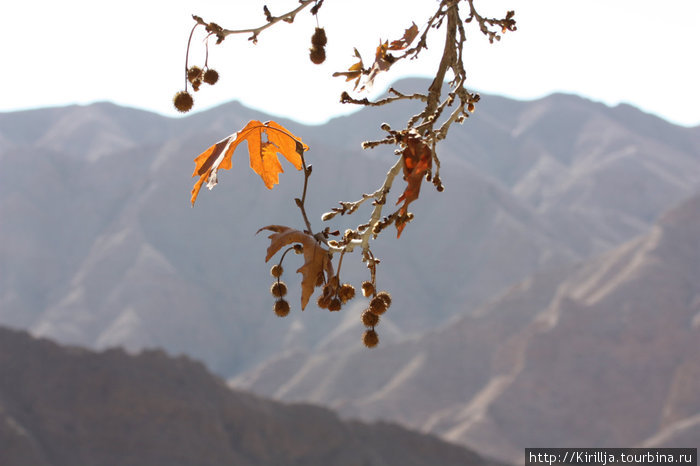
x=316 y=259
x=354 y=72
x=382 y=62
x=417 y=160
x=263 y=154
x=382 y=48
x=408 y=36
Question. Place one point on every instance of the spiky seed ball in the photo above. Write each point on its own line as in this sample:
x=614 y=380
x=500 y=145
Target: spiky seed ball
x=276 y=271
x=334 y=305
x=367 y=289
x=319 y=38
x=317 y=55
x=346 y=292
x=278 y=289
x=370 y=338
x=369 y=318
x=323 y=301
x=386 y=297
x=320 y=279
x=194 y=73
x=281 y=308
x=183 y=101
x=377 y=305
x=211 y=76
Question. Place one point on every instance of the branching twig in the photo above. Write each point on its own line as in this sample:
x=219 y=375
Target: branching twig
x=222 y=33
x=380 y=200
x=347 y=99
x=416 y=142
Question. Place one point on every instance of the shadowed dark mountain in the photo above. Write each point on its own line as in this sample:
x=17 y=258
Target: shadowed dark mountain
x=603 y=353
x=66 y=406
x=98 y=244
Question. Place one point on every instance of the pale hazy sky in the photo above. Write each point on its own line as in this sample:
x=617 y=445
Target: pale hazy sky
x=132 y=53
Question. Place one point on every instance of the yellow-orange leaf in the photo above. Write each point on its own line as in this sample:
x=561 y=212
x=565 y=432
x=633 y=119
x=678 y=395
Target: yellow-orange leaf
x=263 y=154
x=316 y=259
x=354 y=72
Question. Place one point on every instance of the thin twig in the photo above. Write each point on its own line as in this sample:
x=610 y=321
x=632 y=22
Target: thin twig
x=380 y=196
x=347 y=99
x=301 y=202
x=187 y=55
x=222 y=33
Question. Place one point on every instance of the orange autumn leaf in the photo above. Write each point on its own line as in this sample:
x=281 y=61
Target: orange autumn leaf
x=316 y=259
x=263 y=154
x=417 y=160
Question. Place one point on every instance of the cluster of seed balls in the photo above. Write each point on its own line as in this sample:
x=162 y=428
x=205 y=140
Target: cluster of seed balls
x=279 y=291
x=183 y=100
x=378 y=304
x=333 y=297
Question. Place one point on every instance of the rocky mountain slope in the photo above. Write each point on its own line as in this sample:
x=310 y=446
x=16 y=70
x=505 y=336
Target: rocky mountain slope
x=67 y=406
x=603 y=353
x=98 y=244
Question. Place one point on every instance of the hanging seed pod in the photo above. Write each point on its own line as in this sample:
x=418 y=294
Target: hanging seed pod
x=319 y=38
x=317 y=55
x=278 y=289
x=183 y=101
x=369 y=318
x=370 y=338
x=281 y=308
x=210 y=77
x=276 y=271
x=194 y=73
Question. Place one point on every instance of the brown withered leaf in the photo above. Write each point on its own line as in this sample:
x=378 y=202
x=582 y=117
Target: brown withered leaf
x=417 y=160
x=408 y=36
x=263 y=154
x=316 y=259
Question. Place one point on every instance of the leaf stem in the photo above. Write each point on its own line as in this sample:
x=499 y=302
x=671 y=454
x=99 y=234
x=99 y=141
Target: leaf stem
x=187 y=55
x=301 y=202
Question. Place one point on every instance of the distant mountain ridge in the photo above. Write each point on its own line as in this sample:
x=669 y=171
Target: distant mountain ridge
x=98 y=244
x=67 y=406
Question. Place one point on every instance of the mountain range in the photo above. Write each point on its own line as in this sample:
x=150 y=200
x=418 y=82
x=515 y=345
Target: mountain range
x=525 y=261
x=99 y=246
x=67 y=406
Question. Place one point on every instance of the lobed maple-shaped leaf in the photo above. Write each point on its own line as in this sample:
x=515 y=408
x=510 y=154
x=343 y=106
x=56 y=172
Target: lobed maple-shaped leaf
x=263 y=154
x=417 y=160
x=316 y=259
x=408 y=36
